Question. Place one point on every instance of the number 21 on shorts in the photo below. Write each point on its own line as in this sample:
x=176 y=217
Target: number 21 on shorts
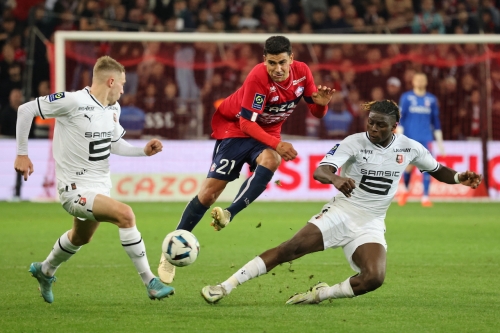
x=224 y=164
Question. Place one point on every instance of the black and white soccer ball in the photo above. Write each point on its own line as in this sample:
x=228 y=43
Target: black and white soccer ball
x=181 y=248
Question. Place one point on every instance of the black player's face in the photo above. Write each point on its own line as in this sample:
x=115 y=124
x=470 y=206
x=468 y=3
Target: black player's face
x=278 y=66
x=380 y=128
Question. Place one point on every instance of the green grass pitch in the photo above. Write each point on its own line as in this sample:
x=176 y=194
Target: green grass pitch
x=443 y=274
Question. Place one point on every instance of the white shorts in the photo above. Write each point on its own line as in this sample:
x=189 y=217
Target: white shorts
x=348 y=229
x=79 y=202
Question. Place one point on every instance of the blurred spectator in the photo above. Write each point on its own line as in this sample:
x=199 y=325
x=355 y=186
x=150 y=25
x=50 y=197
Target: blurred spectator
x=336 y=21
x=338 y=119
x=13 y=81
x=464 y=24
x=8 y=119
x=428 y=20
x=247 y=20
x=8 y=113
x=377 y=94
x=393 y=89
x=319 y=22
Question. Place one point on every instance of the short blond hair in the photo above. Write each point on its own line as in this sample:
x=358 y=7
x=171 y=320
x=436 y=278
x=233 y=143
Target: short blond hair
x=107 y=64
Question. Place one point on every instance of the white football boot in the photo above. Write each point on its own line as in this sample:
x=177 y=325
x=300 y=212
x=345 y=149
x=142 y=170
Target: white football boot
x=213 y=294
x=309 y=297
x=166 y=271
x=221 y=217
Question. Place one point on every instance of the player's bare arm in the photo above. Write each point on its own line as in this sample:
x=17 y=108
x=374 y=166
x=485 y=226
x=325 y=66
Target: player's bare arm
x=325 y=174
x=153 y=147
x=23 y=165
x=323 y=95
x=467 y=178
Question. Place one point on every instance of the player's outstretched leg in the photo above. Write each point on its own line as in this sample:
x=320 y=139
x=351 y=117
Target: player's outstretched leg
x=268 y=162
x=369 y=259
x=309 y=239
x=62 y=251
x=120 y=214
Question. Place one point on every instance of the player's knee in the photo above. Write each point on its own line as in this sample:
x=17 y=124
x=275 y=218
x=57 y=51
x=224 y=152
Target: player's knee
x=127 y=217
x=270 y=160
x=373 y=281
x=207 y=197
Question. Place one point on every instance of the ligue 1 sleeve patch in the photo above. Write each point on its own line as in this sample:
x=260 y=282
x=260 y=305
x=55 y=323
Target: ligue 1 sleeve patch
x=333 y=150
x=258 y=102
x=53 y=97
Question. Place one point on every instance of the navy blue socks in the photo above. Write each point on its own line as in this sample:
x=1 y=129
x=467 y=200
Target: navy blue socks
x=192 y=214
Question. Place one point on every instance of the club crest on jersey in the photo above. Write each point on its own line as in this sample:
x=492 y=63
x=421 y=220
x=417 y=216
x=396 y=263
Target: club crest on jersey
x=400 y=158
x=258 y=101
x=333 y=150
x=299 y=91
x=53 y=97
x=114 y=117
x=272 y=89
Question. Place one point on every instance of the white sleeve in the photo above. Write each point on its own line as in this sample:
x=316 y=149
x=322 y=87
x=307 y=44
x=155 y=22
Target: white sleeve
x=424 y=160
x=123 y=148
x=25 y=114
x=339 y=154
x=55 y=105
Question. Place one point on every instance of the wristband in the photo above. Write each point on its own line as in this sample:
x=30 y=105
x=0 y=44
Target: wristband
x=456 y=178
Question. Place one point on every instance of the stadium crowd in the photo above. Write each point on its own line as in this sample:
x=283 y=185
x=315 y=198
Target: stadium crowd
x=162 y=99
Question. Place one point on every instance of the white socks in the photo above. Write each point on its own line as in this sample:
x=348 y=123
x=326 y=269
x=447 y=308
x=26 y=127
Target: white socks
x=252 y=269
x=134 y=246
x=63 y=250
x=340 y=290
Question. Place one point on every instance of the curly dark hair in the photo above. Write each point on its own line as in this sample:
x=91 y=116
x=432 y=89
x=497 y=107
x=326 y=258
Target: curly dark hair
x=276 y=45
x=385 y=106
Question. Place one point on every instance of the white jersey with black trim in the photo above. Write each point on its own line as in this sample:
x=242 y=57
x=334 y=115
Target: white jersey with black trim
x=376 y=170
x=83 y=134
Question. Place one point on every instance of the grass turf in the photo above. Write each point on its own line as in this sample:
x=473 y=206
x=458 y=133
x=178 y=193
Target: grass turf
x=442 y=275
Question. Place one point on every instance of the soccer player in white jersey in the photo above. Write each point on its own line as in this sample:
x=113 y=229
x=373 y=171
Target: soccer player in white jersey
x=87 y=130
x=372 y=163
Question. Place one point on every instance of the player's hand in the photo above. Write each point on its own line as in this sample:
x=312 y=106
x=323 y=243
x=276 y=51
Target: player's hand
x=470 y=178
x=286 y=151
x=323 y=95
x=23 y=165
x=344 y=185
x=153 y=147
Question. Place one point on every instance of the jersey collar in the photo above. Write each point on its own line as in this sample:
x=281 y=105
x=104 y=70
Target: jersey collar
x=92 y=96
x=379 y=146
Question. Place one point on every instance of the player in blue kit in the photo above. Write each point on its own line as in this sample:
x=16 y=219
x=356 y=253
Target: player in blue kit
x=420 y=122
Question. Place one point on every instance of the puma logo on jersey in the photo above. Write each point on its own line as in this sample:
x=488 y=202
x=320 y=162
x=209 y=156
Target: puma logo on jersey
x=90 y=119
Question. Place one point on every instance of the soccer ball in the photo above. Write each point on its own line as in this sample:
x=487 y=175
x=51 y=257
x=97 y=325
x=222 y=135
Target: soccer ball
x=181 y=248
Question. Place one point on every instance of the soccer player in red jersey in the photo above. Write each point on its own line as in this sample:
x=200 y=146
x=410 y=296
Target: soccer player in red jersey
x=247 y=126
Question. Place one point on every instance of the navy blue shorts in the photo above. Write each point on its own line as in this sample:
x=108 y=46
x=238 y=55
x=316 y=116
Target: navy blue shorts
x=230 y=154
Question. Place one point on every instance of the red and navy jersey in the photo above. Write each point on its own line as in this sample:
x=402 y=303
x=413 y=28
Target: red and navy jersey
x=264 y=101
